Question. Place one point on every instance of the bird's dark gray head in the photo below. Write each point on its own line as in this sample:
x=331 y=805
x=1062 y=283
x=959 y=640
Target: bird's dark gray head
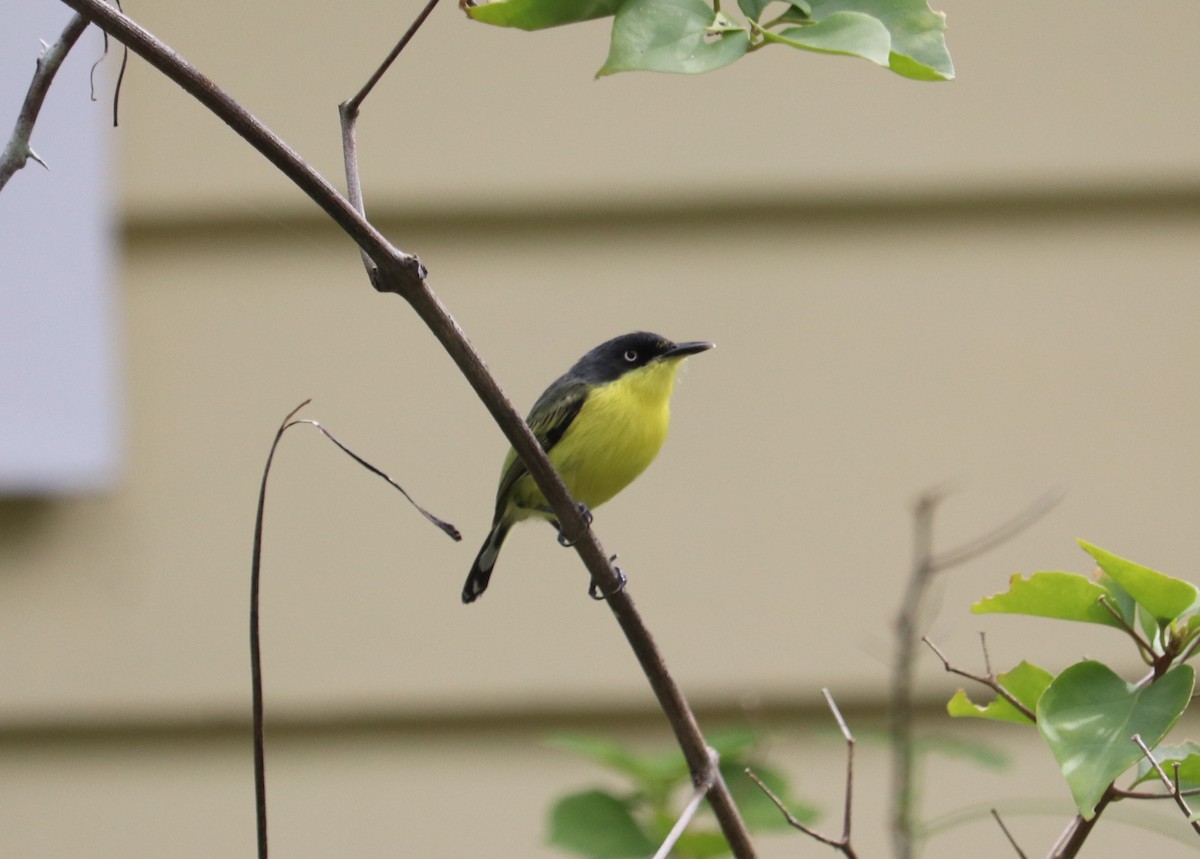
x=618 y=356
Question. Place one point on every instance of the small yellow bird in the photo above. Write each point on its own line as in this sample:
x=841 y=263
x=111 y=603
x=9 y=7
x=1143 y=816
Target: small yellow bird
x=601 y=423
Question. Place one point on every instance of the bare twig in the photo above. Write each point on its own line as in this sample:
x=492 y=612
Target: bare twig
x=348 y=115
x=404 y=275
x=441 y=524
x=402 y=272
x=260 y=776
x=689 y=812
x=987 y=680
x=1120 y=793
x=1143 y=646
x=256 y=685
x=353 y=104
x=925 y=565
x=1008 y=835
x=842 y=844
x=998 y=535
x=1171 y=785
x=18 y=151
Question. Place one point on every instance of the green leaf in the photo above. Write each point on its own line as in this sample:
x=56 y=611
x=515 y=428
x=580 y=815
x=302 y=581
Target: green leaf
x=1088 y=715
x=753 y=9
x=1066 y=596
x=672 y=36
x=540 y=14
x=598 y=825
x=1166 y=598
x=1119 y=598
x=701 y=844
x=983 y=754
x=735 y=743
x=918 y=34
x=648 y=769
x=1188 y=755
x=757 y=809
x=850 y=33
x=1026 y=683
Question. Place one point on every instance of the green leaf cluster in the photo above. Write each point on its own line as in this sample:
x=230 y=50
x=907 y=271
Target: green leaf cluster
x=1087 y=714
x=607 y=824
x=692 y=36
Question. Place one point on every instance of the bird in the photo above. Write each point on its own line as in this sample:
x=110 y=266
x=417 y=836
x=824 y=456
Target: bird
x=601 y=424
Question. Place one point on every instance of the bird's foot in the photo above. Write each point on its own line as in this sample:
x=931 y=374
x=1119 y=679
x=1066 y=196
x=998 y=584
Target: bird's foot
x=587 y=520
x=622 y=579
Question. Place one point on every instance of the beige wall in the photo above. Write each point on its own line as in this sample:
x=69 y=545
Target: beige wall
x=990 y=282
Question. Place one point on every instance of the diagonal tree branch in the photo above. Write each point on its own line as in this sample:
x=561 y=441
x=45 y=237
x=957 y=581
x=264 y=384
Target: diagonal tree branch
x=18 y=151
x=405 y=271
x=404 y=275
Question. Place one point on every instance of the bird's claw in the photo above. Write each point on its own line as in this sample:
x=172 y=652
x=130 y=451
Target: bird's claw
x=587 y=520
x=622 y=579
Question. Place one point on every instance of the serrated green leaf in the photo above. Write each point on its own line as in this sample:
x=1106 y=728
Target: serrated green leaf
x=918 y=34
x=1188 y=756
x=1026 y=683
x=540 y=14
x=1165 y=597
x=849 y=33
x=1088 y=715
x=680 y=36
x=1065 y=596
x=598 y=825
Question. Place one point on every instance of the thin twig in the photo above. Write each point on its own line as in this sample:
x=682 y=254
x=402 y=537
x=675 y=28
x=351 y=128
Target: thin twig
x=848 y=803
x=925 y=565
x=841 y=844
x=442 y=524
x=256 y=684
x=988 y=681
x=260 y=776
x=689 y=812
x=836 y=843
x=348 y=116
x=18 y=151
x=1143 y=646
x=356 y=102
x=1120 y=793
x=1000 y=534
x=1172 y=786
x=1008 y=835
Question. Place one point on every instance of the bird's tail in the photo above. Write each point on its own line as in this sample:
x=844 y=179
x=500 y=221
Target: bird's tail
x=481 y=570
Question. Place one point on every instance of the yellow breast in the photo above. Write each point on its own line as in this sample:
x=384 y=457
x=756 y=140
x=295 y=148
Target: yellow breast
x=615 y=436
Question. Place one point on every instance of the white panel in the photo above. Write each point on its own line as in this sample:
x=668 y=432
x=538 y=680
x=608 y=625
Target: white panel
x=59 y=427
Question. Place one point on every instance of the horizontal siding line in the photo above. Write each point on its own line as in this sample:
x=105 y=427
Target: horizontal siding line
x=294 y=725
x=1170 y=200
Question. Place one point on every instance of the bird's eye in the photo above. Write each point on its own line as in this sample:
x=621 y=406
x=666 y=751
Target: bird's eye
x=631 y=356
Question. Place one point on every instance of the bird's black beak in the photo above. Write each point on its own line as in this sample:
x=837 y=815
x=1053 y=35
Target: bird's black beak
x=682 y=350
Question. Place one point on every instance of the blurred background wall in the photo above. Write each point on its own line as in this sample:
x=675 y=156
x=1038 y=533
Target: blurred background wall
x=988 y=284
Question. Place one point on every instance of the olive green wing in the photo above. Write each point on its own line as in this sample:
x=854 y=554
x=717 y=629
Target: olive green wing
x=549 y=419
